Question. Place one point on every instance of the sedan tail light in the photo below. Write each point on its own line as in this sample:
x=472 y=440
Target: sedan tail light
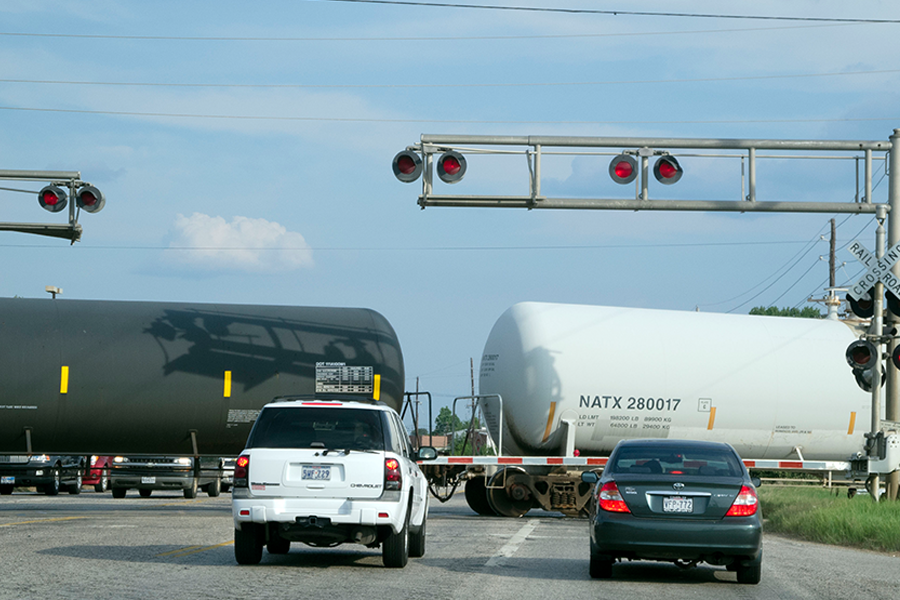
x=745 y=505
x=610 y=499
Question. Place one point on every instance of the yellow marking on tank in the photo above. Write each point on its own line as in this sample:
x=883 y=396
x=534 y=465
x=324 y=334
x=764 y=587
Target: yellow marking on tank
x=852 y=423
x=712 y=417
x=549 y=421
x=64 y=380
x=376 y=387
x=227 y=392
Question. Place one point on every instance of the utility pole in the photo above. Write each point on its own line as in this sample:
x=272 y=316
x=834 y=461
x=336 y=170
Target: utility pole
x=892 y=386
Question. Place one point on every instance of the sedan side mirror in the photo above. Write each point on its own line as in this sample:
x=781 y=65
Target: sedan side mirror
x=426 y=453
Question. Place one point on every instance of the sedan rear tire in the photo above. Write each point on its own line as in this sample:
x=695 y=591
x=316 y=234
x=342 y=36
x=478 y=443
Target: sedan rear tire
x=601 y=566
x=751 y=573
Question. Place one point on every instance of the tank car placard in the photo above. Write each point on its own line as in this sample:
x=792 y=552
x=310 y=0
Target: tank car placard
x=339 y=378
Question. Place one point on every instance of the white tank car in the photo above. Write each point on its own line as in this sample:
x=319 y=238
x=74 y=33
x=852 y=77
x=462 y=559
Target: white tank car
x=770 y=386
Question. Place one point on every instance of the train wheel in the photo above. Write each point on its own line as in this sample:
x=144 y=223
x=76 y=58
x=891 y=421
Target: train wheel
x=476 y=496
x=509 y=492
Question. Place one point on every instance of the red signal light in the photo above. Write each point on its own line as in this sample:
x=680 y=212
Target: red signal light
x=893 y=302
x=52 y=198
x=667 y=170
x=407 y=166
x=90 y=199
x=862 y=355
x=623 y=169
x=863 y=307
x=451 y=166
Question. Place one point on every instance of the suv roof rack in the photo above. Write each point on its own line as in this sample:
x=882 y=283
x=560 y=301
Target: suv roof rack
x=327 y=397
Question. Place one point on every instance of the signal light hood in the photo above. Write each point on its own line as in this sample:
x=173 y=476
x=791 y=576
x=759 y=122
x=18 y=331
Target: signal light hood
x=667 y=170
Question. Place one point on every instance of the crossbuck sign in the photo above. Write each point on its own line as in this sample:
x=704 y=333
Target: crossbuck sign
x=876 y=270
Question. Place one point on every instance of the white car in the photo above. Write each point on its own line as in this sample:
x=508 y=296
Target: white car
x=326 y=472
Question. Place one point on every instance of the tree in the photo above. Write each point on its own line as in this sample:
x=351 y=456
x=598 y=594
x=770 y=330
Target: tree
x=447 y=422
x=808 y=312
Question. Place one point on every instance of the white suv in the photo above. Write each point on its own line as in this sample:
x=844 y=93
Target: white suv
x=328 y=471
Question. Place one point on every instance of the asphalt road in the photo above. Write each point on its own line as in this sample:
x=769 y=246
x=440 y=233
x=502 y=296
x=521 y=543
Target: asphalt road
x=93 y=546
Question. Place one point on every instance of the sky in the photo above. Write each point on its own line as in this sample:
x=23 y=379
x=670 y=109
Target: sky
x=245 y=154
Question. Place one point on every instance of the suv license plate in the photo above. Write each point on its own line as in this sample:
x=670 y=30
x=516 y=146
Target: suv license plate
x=8 y=480
x=317 y=473
x=148 y=480
x=678 y=504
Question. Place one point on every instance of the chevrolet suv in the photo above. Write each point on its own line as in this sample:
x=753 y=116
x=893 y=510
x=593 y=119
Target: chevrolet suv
x=329 y=471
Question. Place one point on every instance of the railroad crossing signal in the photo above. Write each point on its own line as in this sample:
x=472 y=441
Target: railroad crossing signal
x=876 y=270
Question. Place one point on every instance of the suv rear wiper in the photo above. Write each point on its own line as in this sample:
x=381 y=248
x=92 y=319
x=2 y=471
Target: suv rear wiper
x=346 y=451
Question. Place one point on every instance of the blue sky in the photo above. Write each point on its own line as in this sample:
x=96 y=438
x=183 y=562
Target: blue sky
x=264 y=134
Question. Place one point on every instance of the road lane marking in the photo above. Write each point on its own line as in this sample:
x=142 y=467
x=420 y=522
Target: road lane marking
x=512 y=545
x=56 y=519
x=193 y=549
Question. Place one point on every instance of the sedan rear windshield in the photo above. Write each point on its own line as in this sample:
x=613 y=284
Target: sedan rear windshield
x=338 y=429
x=702 y=462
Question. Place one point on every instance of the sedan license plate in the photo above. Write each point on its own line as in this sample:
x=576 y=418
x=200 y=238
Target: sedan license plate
x=316 y=473
x=678 y=504
x=8 y=480
x=148 y=480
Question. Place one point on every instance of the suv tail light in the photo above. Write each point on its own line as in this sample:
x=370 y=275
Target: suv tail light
x=241 y=470
x=745 y=505
x=610 y=499
x=393 y=477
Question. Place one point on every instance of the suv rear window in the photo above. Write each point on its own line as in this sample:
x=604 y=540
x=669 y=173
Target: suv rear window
x=318 y=427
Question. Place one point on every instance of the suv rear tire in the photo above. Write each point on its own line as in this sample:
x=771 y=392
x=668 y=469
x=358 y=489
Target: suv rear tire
x=395 y=549
x=417 y=541
x=248 y=544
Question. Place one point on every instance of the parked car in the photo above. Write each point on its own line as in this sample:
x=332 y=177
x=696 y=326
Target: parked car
x=228 y=473
x=97 y=473
x=680 y=501
x=148 y=473
x=329 y=471
x=49 y=474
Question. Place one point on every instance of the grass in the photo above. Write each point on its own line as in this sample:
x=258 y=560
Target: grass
x=819 y=515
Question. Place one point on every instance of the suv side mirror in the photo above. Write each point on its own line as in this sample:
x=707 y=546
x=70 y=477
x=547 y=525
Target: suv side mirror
x=426 y=453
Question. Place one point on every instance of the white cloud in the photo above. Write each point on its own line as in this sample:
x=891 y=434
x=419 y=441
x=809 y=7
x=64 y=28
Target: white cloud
x=244 y=244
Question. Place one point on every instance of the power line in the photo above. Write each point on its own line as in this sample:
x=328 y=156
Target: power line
x=614 y=13
x=429 y=38
x=811 y=244
x=440 y=85
x=420 y=248
x=123 y=113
